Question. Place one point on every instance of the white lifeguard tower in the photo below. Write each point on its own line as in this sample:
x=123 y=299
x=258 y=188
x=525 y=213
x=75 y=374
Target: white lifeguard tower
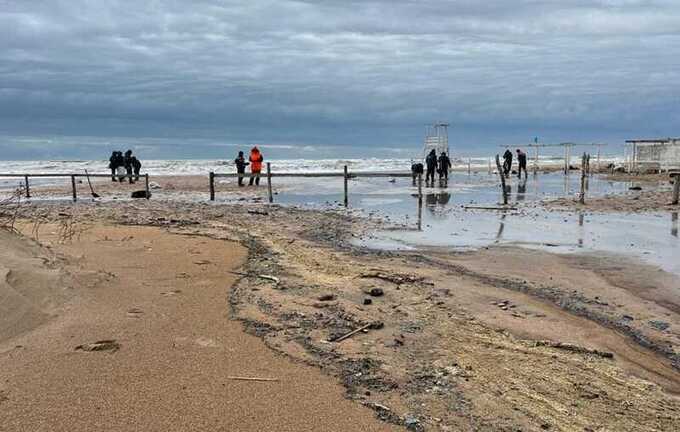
x=437 y=138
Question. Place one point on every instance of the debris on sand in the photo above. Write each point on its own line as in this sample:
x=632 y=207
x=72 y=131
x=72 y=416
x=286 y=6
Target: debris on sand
x=575 y=349
x=102 y=345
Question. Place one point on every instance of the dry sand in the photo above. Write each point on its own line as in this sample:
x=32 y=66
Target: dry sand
x=495 y=339
x=163 y=299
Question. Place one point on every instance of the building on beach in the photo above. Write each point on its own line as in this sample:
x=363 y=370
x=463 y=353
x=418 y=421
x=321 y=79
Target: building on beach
x=653 y=154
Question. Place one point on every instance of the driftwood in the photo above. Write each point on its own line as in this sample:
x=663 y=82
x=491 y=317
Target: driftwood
x=575 y=349
x=396 y=279
x=261 y=276
x=240 y=378
x=489 y=208
x=352 y=333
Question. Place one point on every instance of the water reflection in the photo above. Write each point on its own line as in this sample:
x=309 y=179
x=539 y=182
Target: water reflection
x=674 y=224
x=501 y=228
x=521 y=190
x=581 y=230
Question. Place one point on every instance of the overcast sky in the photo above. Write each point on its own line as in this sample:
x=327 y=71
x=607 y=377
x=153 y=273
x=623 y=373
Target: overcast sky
x=185 y=77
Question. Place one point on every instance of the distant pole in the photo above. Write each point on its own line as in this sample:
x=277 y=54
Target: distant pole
x=536 y=160
x=269 y=182
x=490 y=170
x=420 y=202
x=676 y=188
x=345 y=179
x=146 y=181
x=500 y=173
x=28 y=188
x=469 y=164
x=73 y=187
x=212 y=186
x=599 y=147
x=584 y=168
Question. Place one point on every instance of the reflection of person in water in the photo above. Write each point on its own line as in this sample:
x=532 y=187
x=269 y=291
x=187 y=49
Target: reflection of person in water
x=521 y=190
x=437 y=200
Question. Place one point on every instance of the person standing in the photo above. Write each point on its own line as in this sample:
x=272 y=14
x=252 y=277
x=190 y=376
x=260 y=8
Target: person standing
x=431 y=163
x=241 y=164
x=113 y=165
x=522 y=161
x=256 y=160
x=444 y=165
x=129 y=165
x=136 y=167
x=507 y=162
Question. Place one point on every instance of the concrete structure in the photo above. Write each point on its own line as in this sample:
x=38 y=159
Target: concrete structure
x=653 y=154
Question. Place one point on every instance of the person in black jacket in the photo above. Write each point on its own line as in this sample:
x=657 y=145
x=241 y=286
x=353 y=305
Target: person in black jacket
x=431 y=163
x=444 y=165
x=241 y=165
x=129 y=165
x=136 y=167
x=507 y=162
x=522 y=161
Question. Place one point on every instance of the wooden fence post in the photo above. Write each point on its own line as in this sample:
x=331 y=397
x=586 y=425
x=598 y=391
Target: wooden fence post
x=73 y=186
x=269 y=183
x=584 y=168
x=500 y=173
x=469 y=163
x=345 y=178
x=490 y=170
x=676 y=188
x=148 y=193
x=28 y=188
x=420 y=202
x=212 y=186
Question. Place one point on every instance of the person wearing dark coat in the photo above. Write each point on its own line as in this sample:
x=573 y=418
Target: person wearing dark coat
x=522 y=161
x=431 y=163
x=507 y=162
x=241 y=165
x=113 y=165
x=444 y=165
x=416 y=170
x=128 y=165
x=136 y=167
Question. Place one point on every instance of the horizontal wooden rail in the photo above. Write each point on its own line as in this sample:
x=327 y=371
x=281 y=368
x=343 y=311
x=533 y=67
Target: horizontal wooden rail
x=345 y=175
x=73 y=176
x=70 y=175
x=321 y=174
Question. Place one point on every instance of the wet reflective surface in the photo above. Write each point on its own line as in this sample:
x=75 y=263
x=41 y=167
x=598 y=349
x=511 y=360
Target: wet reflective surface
x=446 y=223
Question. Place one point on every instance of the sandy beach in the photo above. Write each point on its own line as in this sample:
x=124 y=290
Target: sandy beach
x=498 y=338
x=128 y=328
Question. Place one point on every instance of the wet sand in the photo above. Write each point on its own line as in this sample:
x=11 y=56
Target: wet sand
x=163 y=301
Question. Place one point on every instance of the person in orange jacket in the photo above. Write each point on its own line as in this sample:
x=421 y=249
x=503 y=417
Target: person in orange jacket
x=255 y=165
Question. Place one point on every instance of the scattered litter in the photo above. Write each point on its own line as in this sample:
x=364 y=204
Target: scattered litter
x=240 y=378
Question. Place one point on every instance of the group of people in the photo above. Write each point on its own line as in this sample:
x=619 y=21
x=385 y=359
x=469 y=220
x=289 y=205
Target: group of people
x=124 y=165
x=255 y=160
x=434 y=164
x=521 y=162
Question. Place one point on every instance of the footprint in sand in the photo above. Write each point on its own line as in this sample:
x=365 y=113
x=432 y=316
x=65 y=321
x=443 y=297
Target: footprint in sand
x=206 y=342
x=171 y=293
x=135 y=313
x=102 y=345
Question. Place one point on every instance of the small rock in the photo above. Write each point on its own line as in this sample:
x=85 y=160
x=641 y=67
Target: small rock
x=368 y=301
x=659 y=325
x=327 y=297
x=103 y=345
x=413 y=424
x=376 y=292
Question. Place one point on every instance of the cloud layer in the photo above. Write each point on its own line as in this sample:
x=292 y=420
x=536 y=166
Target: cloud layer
x=340 y=72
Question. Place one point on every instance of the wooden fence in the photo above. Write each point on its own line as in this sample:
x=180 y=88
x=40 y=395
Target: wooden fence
x=345 y=175
x=73 y=177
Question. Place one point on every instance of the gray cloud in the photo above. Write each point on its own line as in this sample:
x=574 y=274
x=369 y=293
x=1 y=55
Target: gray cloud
x=340 y=72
